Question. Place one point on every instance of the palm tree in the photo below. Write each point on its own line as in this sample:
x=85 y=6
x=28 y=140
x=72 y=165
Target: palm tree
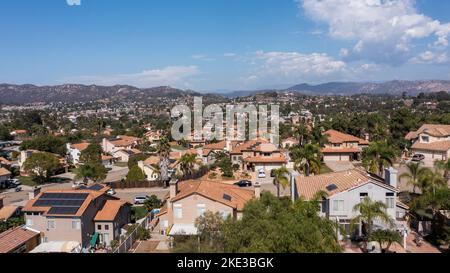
x=443 y=167
x=386 y=237
x=303 y=134
x=187 y=162
x=415 y=171
x=280 y=179
x=370 y=211
x=164 y=152
x=378 y=156
x=307 y=159
x=429 y=181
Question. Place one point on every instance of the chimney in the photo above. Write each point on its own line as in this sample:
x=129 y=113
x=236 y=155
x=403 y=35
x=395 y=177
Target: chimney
x=228 y=146
x=367 y=136
x=391 y=176
x=32 y=194
x=257 y=190
x=173 y=188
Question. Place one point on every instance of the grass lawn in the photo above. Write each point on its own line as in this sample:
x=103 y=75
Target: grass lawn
x=139 y=212
x=325 y=169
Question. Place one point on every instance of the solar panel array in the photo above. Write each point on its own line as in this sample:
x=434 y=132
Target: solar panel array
x=95 y=187
x=227 y=197
x=61 y=203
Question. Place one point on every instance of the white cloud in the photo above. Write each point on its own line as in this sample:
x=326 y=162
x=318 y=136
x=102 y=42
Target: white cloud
x=229 y=54
x=179 y=76
x=202 y=57
x=73 y=2
x=295 y=66
x=429 y=57
x=383 y=30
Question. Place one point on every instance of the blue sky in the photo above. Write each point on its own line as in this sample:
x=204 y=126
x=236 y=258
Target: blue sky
x=223 y=44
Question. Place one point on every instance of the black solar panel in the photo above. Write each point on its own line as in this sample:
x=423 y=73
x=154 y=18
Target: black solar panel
x=61 y=203
x=96 y=187
x=63 y=210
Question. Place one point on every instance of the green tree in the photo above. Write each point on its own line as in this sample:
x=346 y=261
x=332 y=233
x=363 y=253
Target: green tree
x=413 y=174
x=307 y=159
x=135 y=174
x=135 y=159
x=226 y=167
x=378 y=156
x=92 y=154
x=187 y=162
x=93 y=171
x=45 y=143
x=4 y=133
x=41 y=166
x=281 y=179
x=386 y=238
x=152 y=203
x=369 y=211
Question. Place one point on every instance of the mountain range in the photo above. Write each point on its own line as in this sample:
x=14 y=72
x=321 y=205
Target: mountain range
x=28 y=93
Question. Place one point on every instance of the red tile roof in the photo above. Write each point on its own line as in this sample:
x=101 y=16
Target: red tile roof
x=339 y=138
x=439 y=146
x=14 y=238
x=110 y=210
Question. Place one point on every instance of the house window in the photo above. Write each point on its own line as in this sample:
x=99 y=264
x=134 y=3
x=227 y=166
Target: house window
x=225 y=214
x=106 y=227
x=338 y=205
x=201 y=208
x=29 y=222
x=178 y=211
x=76 y=224
x=99 y=227
x=390 y=203
x=425 y=139
x=363 y=195
x=50 y=224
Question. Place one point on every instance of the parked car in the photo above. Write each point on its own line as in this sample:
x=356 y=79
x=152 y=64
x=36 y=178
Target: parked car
x=418 y=157
x=262 y=173
x=18 y=189
x=243 y=183
x=13 y=183
x=140 y=199
x=111 y=192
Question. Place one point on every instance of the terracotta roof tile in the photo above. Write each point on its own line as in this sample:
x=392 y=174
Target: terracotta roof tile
x=440 y=146
x=7 y=211
x=13 y=238
x=110 y=210
x=338 y=137
x=215 y=191
x=260 y=159
x=436 y=130
x=341 y=150
x=308 y=187
x=80 y=146
x=4 y=171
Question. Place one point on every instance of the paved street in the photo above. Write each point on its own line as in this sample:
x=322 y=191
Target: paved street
x=116 y=174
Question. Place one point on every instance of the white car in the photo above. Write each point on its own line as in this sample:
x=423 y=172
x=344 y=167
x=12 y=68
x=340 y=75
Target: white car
x=111 y=192
x=261 y=173
x=140 y=199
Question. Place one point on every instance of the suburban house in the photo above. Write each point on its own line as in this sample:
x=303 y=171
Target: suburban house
x=190 y=199
x=9 y=211
x=86 y=215
x=346 y=189
x=289 y=142
x=4 y=176
x=150 y=166
x=343 y=147
x=74 y=152
x=126 y=155
x=19 y=134
x=258 y=154
x=19 y=240
x=209 y=151
x=110 y=146
x=5 y=163
x=432 y=141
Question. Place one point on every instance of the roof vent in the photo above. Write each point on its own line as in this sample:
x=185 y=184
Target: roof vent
x=227 y=197
x=331 y=187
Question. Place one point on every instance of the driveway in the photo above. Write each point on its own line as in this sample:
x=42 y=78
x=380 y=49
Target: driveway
x=129 y=194
x=116 y=174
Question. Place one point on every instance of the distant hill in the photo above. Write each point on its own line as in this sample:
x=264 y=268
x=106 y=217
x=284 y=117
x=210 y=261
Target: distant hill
x=21 y=94
x=391 y=87
x=28 y=93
